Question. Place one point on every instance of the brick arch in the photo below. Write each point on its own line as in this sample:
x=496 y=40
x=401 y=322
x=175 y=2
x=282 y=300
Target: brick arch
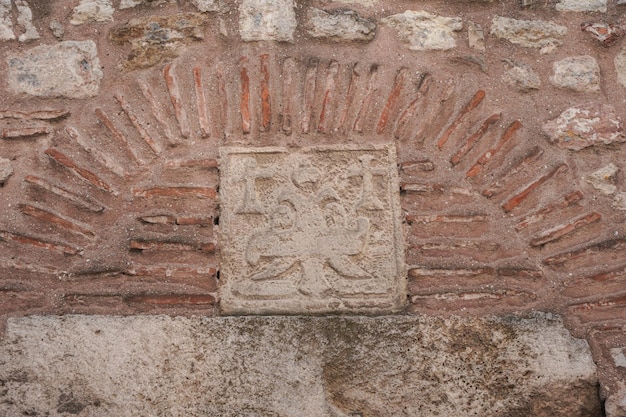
x=125 y=200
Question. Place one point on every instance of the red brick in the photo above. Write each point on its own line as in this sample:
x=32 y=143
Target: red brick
x=471 y=105
x=177 y=102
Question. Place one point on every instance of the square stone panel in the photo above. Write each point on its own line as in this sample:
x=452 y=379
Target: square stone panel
x=311 y=230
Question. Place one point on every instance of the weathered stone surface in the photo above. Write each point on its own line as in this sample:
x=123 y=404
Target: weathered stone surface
x=295 y=366
x=529 y=33
x=619 y=356
x=581 y=6
x=476 y=36
x=521 y=77
x=67 y=69
x=340 y=25
x=128 y=4
x=57 y=29
x=273 y=20
x=6 y=170
x=92 y=11
x=619 y=201
x=425 y=31
x=605 y=33
x=585 y=125
x=155 y=39
x=25 y=19
x=604 y=179
x=206 y=5
x=616 y=403
x=578 y=73
x=6 y=24
x=620 y=66
x=316 y=230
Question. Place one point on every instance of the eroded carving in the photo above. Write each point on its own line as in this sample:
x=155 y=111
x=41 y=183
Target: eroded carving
x=312 y=230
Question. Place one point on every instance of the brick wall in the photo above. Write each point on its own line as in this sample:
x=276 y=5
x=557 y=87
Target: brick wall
x=506 y=118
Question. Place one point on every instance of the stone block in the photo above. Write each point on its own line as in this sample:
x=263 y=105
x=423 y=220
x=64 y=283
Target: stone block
x=529 y=33
x=425 y=31
x=620 y=66
x=521 y=77
x=267 y=20
x=604 y=179
x=296 y=366
x=581 y=6
x=585 y=125
x=340 y=25
x=578 y=73
x=92 y=11
x=310 y=231
x=6 y=170
x=66 y=69
x=6 y=24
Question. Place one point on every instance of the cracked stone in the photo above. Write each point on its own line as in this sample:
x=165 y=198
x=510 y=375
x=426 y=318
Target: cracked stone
x=425 y=31
x=340 y=25
x=269 y=20
x=578 y=73
x=521 y=77
x=585 y=125
x=297 y=366
x=66 y=69
x=529 y=33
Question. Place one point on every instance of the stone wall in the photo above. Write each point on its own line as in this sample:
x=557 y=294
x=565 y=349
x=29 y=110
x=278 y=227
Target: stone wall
x=211 y=157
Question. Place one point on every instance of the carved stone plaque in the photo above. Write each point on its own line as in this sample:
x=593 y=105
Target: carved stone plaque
x=313 y=230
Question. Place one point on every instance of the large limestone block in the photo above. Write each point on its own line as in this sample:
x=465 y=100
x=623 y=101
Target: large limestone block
x=340 y=25
x=66 y=69
x=578 y=73
x=529 y=33
x=267 y=20
x=425 y=31
x=295 y=367
x=582 y=6
x=312 y=230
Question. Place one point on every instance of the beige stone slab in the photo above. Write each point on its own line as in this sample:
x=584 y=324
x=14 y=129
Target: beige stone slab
x=312 y=230
x=295 y=367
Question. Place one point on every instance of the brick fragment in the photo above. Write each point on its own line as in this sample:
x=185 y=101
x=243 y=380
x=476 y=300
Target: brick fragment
x=177 y=102
x=519 y=197
x=172 y=299
x=289 y=94
x=447 y=218
x=329 y=91
x=474 y=138
x=471 y=105
x=372 y=77
x=49 y=115
x=63 y=193
x=80 y=172
x=158 y=111
x=192 y=163
x=117 y=134
x=201 y=104
x=36 y=242
x=559 y=231
x=498 y=186
x=67 y=223
x=162 y=245
x=310 y=83
x=25 y=132
x=342 y=124
x=266 y=103
x=244 y=103
x=394 y=95
x=486 y=157
x=132 y=116
x=605 y=33
x=420 y=165
x=407 y=115
x=100 y=156
x=539 y=215
x=191 y=192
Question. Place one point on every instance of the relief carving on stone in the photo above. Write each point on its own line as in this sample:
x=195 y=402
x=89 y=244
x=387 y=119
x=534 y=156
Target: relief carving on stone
x=316 y=229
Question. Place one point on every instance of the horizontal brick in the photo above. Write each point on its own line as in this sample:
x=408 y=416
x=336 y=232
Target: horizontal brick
x=35 y=114
x=176 y=191
x=192 y=163
x=39 y=243
x=25 y=132
x=172 y=299
x=589 y=255
x=179 y=220
x=503 y=300
x=446 y=218
x=163 y=245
